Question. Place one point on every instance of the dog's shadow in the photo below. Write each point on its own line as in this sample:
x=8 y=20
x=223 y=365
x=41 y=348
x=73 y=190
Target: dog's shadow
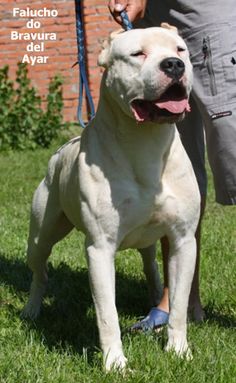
x=68 y=315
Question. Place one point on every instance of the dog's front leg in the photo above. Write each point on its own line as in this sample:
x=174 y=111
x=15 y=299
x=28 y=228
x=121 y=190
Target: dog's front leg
x=181 y=268
x=102 y=281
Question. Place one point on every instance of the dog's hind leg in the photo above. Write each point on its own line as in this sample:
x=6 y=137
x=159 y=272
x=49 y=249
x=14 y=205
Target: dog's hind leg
x=151 y=272
x=48 y=225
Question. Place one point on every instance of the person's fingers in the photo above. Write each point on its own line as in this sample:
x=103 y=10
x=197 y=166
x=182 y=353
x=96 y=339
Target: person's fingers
x=116 y=7
x=120 y=5
x=134 y=8
x=135 y=11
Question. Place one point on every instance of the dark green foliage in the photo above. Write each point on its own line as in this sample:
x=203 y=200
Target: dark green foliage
x=24 y=122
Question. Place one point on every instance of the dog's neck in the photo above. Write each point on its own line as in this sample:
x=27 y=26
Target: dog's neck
x=124 y=126
x=145 y=145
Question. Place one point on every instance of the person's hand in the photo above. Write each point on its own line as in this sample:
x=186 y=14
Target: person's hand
x=134 y=8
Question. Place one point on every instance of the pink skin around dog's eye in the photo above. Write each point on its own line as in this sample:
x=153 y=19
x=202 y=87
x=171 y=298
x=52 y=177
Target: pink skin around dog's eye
x=180 y=49
x=140 y=54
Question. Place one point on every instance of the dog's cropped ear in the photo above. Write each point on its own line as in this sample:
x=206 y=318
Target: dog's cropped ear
x=171 y=28
x=104 y=55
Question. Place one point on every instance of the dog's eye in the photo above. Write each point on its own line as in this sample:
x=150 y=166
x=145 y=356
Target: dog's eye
x=138 y=54
x=180 y=49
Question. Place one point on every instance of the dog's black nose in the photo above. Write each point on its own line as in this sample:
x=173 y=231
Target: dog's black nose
x=173 y=67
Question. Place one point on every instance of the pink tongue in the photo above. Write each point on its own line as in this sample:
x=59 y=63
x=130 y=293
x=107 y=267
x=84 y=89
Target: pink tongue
x=175 y=107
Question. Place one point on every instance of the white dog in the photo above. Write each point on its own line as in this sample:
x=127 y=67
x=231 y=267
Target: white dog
x=126 y=183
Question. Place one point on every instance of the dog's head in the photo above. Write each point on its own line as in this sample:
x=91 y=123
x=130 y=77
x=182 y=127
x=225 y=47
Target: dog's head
x=149 y=74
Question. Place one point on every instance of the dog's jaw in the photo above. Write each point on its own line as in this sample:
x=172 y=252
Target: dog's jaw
x=171 y=106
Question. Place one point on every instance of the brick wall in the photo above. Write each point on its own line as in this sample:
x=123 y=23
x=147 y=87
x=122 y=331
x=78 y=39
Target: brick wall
x=62 y=52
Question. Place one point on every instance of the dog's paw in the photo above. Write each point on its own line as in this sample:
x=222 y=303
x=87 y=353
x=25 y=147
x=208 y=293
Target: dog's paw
x=30 y=311
x=117 y=363
x=116 y=360
x=196 y=312
x=177 y=342
x=32 y=308
x=182 y=352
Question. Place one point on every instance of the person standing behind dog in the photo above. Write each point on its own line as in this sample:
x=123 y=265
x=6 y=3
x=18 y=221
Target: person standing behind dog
x=209 y=29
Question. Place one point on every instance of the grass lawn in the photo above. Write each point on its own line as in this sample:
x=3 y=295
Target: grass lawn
x=62 y=345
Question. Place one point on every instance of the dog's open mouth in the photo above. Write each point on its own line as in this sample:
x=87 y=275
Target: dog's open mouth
x=172 y=104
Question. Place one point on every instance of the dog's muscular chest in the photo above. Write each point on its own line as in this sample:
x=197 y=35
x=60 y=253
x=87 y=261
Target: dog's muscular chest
x=151 y=221
x=128 y=214
x=122 y=195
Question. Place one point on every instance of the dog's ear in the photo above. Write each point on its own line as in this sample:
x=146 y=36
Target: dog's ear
x=104 y=54
x=103 y=57
x=171 y=28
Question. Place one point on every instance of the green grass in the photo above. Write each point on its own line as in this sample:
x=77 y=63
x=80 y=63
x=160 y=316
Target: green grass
x=62 y=345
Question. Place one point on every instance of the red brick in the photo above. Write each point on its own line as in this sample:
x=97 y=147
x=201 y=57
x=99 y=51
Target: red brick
x=67 y=20
x=47 y=21
x=55 y=28
x=62 y=52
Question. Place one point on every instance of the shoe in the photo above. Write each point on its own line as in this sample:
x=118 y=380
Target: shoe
x=156 y=319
